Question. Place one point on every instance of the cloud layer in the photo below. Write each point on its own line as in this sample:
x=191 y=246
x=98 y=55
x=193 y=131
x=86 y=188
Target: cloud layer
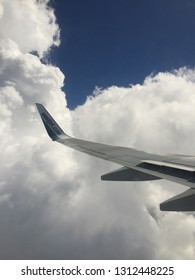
x=53 y=204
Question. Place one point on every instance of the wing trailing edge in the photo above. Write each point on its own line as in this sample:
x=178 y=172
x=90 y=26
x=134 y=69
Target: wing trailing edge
x=170 y=164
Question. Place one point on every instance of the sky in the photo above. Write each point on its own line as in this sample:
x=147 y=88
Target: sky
x=105 y=43
x=107 y=73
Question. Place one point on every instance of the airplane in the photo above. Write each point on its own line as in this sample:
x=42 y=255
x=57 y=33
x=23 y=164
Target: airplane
x=136 y=165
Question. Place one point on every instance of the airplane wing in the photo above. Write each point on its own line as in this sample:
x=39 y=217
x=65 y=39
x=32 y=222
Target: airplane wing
x=137 y=165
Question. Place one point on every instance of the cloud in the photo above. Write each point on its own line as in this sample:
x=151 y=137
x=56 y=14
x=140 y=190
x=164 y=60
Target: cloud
x=31 y=24
x=156 y=116
x=53 y=204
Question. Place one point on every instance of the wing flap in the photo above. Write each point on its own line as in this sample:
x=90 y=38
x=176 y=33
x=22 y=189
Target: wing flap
x=181 y=176
x=171 y=165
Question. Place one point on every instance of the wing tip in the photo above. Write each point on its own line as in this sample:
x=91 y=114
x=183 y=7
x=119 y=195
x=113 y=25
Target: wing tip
x=53 y=129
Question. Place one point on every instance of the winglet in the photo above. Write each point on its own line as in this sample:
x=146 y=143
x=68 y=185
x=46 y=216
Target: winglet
x=53 y=129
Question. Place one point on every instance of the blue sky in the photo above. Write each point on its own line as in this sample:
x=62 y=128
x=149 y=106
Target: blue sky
x=120 y=42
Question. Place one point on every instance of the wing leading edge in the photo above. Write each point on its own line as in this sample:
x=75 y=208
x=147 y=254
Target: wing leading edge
x=137 y=165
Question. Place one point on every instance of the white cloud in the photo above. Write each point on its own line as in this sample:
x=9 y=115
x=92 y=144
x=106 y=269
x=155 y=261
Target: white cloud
x=52 y=201
x=1 y=10
x=157 y=116
x=31 y=24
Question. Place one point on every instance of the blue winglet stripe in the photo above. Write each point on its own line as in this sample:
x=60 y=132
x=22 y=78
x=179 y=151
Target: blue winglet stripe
x=53 y=129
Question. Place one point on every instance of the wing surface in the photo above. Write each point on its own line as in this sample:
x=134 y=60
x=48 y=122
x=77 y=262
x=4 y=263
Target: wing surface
x=138 y=165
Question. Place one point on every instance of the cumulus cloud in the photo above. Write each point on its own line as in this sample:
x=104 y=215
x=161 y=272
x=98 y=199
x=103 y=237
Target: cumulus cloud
x=156 y=116
x=31 y=24
x=53 y=204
